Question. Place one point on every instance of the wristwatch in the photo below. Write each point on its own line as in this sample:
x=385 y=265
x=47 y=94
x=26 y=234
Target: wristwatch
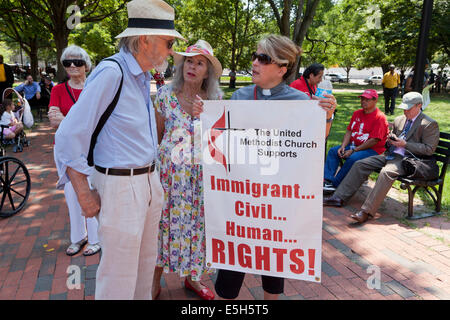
x=331 y=119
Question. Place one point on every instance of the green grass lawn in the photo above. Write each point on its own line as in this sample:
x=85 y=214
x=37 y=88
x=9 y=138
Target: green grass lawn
x=238 y=79
x=348 y=102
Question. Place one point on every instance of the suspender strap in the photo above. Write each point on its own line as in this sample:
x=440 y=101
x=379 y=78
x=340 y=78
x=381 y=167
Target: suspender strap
x=104 y=117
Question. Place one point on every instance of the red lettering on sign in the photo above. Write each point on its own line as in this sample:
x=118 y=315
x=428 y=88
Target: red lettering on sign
x=312 y=260
x=244 y=255
x=280 y=257
x=237 y=207
x=218 y=248
x=262 y=258
x=298 y=267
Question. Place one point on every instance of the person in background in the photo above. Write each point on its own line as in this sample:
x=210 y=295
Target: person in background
x=365 y=136
x=413 y=133
x=410 y=78
x=311 y=77
x=6 y=77
x=46 y=85
x=7 y=119
x=390 y=83
x=159 y=78
x=63 y=97
x=32 y=91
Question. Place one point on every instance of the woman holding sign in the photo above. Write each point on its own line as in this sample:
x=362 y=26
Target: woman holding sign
x=181 y=238
x=273 y=62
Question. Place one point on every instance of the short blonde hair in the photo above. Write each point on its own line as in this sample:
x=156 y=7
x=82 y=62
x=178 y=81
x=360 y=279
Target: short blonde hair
x=282 y=50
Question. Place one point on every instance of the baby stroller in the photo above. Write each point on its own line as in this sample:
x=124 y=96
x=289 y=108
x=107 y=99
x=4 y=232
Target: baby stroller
x=15 y=182
x=22 y=114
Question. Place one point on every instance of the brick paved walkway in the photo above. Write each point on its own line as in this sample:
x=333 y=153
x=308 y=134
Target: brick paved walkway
x=414 y=260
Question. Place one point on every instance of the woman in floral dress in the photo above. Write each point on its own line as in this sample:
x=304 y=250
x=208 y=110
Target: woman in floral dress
x=181 y=237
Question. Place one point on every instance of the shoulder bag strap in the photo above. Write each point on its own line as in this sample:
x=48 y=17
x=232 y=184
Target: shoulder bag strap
x=104 y=117
x=70 y=94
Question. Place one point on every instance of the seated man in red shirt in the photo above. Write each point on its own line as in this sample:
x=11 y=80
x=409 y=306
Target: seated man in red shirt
x=365 y=136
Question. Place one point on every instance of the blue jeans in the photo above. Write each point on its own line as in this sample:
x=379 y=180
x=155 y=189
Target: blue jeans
x=332 y=163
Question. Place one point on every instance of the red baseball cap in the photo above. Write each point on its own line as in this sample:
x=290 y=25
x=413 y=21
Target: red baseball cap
x=369 y=94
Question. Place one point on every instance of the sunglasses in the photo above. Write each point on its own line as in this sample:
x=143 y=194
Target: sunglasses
x=262 y=58
x=76 y=62
x=265 y=59
x=170 y=43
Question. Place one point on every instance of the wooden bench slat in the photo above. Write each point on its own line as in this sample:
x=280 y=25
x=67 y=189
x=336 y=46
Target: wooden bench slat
x=443 y=143
x=441 y=151
x=444 y=135
x=441 y=158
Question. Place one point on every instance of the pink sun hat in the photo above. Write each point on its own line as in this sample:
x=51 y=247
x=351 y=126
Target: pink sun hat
x=201 y=47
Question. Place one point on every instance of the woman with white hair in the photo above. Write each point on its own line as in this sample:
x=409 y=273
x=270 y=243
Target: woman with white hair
x=76 y=63
x=181 y=241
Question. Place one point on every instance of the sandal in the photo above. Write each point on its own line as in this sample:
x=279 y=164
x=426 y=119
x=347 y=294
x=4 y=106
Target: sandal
x=91 y=249
x=74 y=248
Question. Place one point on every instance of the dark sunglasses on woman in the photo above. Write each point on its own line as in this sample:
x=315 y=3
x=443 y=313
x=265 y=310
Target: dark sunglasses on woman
x=76 y=62
x=264 y=59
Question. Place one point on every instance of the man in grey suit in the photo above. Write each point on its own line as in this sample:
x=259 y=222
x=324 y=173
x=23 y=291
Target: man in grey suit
x=413 y=133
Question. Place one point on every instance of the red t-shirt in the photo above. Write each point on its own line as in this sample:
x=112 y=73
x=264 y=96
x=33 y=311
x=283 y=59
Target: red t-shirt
x=61 y=98
x=300 y=84
x=365 y=126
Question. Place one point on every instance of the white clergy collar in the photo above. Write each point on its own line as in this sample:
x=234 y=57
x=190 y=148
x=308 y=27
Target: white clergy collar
x=266 y=92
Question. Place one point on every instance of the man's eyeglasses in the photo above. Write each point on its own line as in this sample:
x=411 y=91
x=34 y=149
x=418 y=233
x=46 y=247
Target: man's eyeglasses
x=170 y=43
x=76 y=62
x=264 y=59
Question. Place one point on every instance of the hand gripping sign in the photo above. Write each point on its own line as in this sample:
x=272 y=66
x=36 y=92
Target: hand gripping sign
x=263 y=177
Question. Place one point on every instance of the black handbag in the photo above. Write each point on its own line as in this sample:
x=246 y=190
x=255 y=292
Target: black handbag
x=420 y=169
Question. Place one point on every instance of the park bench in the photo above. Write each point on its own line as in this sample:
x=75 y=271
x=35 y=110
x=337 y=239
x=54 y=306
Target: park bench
x=434 y=188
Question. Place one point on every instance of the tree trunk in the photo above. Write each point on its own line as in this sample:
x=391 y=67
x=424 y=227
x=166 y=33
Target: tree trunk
x=300 y=29
x=347 y=69
x=61 y=41
x=34 y=59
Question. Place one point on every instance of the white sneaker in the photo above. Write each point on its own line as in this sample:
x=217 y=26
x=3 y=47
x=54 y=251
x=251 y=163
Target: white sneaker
x=327 y=186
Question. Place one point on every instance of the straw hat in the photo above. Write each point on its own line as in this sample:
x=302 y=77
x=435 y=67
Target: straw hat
x=201 y=47
x=150 y=17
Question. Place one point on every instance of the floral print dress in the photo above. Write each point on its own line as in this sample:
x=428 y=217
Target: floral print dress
x=181 y=239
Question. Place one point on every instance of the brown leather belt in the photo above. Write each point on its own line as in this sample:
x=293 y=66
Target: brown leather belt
x=125 y=172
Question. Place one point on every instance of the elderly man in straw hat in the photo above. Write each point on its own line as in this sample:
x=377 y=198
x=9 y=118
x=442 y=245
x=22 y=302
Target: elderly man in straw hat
x=112 y=127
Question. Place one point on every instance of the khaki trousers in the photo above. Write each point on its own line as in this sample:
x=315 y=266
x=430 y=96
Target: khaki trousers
x=360 y=172
x=128 y=233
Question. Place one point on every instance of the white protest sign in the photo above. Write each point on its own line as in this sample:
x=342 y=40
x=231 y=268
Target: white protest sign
x=263 y=178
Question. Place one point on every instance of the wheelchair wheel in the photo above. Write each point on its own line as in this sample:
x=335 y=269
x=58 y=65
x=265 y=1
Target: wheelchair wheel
x=15 y=186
